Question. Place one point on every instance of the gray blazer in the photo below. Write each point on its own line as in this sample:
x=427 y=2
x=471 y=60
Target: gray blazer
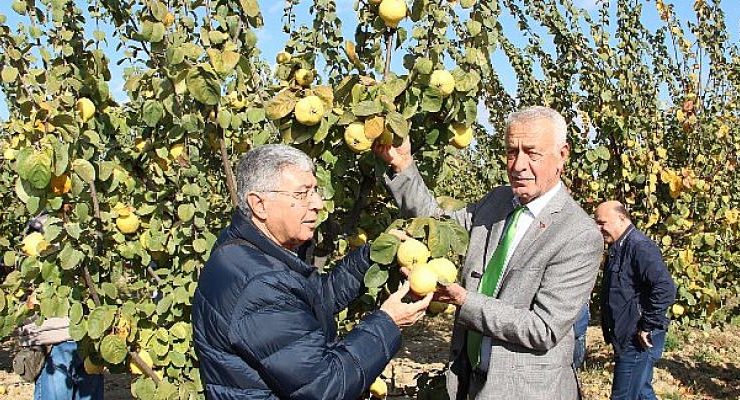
x=547 y=280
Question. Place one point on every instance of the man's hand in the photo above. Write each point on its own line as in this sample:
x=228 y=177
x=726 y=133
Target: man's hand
x=405 y=314
x=451 y=294
x=644 y=339
x=397 y=157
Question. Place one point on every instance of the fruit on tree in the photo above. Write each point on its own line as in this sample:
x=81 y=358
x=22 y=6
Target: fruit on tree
x=354 y=137
x=358 y=239
x=379 y=388
x=411 y=253
x=443 y=81
x=437 y=307
x=144 y=355
x=304 y=77
x=127 y=222
x=177 y=150
x=677 y=309
x=283 y=57
x=309 y=110
x=392 y=12
x=462 y=135
x=91 y=368
x=376 y=2
x=61 y=184
x=444 y=268
x=423 y=280
x=33 y=244
x=85 y=109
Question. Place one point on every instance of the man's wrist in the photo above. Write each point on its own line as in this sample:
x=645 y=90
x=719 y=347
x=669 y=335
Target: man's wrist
x=401 y=164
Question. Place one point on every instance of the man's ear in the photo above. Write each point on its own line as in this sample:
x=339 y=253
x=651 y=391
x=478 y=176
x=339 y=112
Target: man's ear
x=257 y=205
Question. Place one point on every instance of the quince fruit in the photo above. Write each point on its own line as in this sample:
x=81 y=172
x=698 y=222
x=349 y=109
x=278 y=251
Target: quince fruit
x=283 y=57
x=144 y=355
x=34 y=244
x=128 y=224
x=379 y=388
x=411 y=253
x=677 y=309
x=423 y=280
x=304 y=77
x=463 y=135
x=354 y=137
x=444 y=268
x=85 y=109
x=358 y=239
x=392 y=12
x=443 y=81
x=309 y=110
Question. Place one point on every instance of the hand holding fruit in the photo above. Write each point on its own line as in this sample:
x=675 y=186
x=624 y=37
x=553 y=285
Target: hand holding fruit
x=405 y=314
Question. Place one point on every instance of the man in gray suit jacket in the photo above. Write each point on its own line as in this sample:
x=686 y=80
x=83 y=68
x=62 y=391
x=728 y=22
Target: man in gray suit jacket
x=516 y=342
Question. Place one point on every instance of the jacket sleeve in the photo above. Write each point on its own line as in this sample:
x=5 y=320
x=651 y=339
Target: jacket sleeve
x=656 y=282
x=565 y=287
x=415 y=200
x=344 y=283
x=278 y=335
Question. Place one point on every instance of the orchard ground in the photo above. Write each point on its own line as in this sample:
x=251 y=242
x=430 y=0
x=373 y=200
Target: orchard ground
x=696 y=365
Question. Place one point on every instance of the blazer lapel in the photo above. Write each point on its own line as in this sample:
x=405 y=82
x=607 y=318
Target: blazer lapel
x=540 y=224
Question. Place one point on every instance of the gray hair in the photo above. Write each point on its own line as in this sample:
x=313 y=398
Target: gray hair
x=539 y=112
x=259 y=169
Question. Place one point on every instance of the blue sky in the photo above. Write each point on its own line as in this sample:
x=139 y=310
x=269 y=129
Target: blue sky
x=271 y=37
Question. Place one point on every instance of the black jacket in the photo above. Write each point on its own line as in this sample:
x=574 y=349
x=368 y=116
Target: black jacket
x=637 y=289
x=264 y=328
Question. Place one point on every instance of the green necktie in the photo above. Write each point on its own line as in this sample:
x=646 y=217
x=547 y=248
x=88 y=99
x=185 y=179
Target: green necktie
x=491 y=277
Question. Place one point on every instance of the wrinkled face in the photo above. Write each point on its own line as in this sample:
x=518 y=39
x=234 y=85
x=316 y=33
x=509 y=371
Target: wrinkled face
x=533 y=160
x=291 y=210
x=611 y=223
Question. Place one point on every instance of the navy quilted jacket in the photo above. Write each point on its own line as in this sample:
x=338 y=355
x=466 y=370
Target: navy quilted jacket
x=264 y=328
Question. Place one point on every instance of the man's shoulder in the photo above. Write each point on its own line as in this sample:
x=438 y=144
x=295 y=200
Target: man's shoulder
x=640 y=242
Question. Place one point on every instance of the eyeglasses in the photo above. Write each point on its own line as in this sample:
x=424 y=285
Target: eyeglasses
x=301 y=195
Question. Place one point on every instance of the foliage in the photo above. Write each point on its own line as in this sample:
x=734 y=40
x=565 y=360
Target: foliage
x=151 y=182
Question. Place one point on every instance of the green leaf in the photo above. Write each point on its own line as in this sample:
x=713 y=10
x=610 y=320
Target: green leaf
x=61 y=157
x=84 y=169
x=99 y=321
x=39 y=176
x=375 y=277
x=460 y=237
x=417 y=227
x=152 y=112
x=424 y=66
x=75 y=313
x=467 y=3
x=69 y=257
x=9 y=74
x=204 y=86
x=110 y=290
x=383 y=249
x=200 y=245
x=431 y=100
x=250 y=7
x=180 y=330
x=113 y=349
x=366 y=108
x=440 y=239
x=185 y=212
x=397 y=123
x=78 y=331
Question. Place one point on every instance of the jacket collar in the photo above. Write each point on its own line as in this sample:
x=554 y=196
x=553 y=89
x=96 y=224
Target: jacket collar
x=243 y=228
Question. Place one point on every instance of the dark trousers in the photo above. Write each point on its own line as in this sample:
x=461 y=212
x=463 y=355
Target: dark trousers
x=633 y=369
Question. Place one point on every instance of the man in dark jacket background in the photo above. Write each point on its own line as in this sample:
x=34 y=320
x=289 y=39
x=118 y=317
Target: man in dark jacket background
x=637 y=290
x=263 y=320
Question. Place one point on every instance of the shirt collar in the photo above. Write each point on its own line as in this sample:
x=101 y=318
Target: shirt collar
x=626 y=233
x=536 y=206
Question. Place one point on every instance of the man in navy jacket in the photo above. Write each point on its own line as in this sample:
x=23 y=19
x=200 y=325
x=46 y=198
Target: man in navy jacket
x=263 y=320
x=637 y=290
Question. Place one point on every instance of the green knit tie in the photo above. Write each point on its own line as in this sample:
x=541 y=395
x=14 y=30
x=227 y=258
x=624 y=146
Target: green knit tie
x=492 y=275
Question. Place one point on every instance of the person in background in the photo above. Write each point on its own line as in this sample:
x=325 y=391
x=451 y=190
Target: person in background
x=637 y=290
x=63 y=376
